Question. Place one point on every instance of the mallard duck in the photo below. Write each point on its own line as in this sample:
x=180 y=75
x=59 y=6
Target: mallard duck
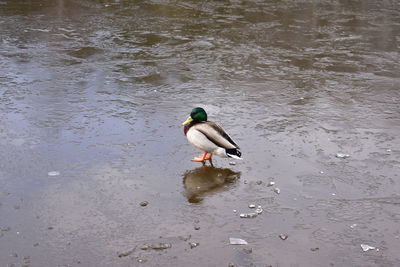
x=209 y=137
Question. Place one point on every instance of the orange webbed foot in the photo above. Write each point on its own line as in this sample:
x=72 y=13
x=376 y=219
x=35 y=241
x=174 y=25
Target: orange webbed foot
x=202 y=158
x=198 y=159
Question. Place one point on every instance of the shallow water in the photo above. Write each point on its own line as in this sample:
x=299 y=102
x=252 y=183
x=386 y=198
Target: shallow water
x=97 y=91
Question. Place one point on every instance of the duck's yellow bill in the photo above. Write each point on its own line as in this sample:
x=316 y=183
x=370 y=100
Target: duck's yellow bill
x=189 y=120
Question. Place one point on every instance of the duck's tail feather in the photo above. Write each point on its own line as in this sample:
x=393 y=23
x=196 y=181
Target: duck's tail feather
x=233 y=153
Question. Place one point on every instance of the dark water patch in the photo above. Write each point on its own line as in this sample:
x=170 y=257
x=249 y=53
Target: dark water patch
x=85 y=52
x=342 y=68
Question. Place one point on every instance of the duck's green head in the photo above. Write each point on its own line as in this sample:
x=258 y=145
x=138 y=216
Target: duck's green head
x=197 y=115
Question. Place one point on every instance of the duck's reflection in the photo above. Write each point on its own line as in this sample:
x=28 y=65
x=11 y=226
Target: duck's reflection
x=207 y=180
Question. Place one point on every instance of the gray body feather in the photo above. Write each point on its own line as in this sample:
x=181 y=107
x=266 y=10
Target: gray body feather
x=211 y=138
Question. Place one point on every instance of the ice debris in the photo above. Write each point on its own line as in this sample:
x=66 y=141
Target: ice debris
x=159 y=246
x=193 y=244
x=342 y=155
x=53 y=173
x=144 y=203
x=366 y=247
x=125 y=254
x=277 y=190
x=237 y=241
x=248 y=215
x=259 y=210
x=283 y=236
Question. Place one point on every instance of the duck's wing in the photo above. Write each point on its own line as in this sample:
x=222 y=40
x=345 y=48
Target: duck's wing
x=216 y=134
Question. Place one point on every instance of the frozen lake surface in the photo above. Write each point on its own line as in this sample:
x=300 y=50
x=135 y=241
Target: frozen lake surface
x=95 y=169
